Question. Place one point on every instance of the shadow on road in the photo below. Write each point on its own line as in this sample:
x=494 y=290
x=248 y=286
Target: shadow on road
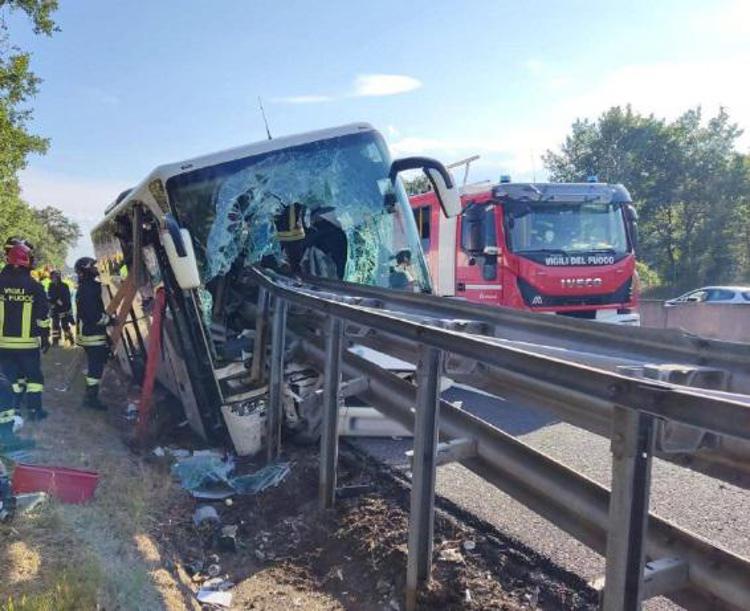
x=501 y=413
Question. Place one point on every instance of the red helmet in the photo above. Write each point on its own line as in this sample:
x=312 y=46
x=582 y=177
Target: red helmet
x=19 y=255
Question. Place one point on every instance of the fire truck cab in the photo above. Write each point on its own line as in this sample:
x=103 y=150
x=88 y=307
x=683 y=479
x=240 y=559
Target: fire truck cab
x=564 y=248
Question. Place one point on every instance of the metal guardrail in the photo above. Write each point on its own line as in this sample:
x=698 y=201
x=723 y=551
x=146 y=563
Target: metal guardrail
x=724 y=458
x=721 y=457
x=636 y=343
x=684 y=567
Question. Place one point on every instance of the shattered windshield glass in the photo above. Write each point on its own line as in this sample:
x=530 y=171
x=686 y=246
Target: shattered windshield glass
x=325 y=208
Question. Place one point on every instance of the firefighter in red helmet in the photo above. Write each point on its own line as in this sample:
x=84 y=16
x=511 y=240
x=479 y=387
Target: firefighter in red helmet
x=24 y=329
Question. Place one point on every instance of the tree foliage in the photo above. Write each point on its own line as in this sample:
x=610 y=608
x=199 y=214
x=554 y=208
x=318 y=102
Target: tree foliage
x=18 y=84
x=416 y=185
x=689 y=183
x=48 y=229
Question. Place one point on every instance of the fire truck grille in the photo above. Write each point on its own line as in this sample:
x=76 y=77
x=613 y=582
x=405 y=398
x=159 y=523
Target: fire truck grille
x=536 y=299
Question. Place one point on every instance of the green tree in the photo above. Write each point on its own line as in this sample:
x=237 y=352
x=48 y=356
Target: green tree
x=48 y=229
x=689 y=183
x=59 y=236
x=418 y=184
x=18 y=84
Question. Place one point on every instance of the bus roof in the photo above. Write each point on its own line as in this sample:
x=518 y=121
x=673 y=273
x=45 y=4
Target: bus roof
x=151 y=188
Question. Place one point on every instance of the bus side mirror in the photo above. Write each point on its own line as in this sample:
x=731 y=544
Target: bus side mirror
x=179 y=248
x=439 y=177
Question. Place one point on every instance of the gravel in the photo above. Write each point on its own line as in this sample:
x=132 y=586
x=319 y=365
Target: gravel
x=704 y=505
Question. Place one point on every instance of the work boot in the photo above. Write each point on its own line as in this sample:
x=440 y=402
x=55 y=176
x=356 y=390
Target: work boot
x=37 y=415
x=7 y=500
x=9 y=442
x=91 y=399
x=7 y=436
x=69 y=339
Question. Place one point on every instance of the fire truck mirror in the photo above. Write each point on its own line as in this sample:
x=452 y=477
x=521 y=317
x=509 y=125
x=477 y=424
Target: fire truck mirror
x=632 y=217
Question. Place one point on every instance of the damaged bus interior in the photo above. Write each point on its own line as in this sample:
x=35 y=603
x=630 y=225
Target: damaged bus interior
x=324 y=204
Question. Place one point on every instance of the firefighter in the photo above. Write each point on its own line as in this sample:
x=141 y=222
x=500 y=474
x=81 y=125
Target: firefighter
x=24 y=328
x=60 y=309
x=11 y=242
x=290 y=232
x=91 y=328
x=402 y=275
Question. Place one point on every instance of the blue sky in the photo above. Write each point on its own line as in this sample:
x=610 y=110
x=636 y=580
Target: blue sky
x=129 y=85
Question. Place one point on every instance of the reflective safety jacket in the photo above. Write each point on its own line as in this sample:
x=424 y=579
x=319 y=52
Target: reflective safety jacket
x=92 y=319
x=59 y=298
x=23 y=310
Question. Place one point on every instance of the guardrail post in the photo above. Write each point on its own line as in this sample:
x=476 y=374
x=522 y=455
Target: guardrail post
x=329 y=441
x=632 y=449
x=273 y=419
x=259 y=344
x=422 y=510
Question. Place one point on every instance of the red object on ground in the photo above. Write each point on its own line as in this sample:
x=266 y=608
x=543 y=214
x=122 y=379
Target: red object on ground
x=152 y=361
x=67 y=485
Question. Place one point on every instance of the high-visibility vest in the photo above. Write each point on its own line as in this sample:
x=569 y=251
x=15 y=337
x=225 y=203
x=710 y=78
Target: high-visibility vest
x=24 y=310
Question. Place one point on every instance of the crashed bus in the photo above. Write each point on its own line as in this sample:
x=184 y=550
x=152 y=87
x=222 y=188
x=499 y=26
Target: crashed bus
x=327 y=203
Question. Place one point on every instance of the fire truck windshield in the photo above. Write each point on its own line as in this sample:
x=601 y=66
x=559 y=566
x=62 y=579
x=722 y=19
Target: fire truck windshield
x=565 y=228
x=324 y=208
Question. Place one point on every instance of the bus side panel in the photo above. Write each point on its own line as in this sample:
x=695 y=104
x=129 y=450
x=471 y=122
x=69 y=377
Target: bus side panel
x=182 y=367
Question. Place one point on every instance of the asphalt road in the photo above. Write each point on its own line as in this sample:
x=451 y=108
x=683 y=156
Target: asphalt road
x=706 y=506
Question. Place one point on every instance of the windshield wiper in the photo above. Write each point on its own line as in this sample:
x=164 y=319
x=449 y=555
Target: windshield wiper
x=544 y=251
x=607 y=250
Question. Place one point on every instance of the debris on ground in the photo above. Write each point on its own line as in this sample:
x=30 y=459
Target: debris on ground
x=228 y=538
x=205 y=513
x=290 y=554
x=216 y=592
x=207 y=475
x=131 y=412
x=469 y=545
x=450 y=554
x=269 y=476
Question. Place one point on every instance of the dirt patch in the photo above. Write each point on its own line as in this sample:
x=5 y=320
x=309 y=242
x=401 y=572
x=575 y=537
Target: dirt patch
x=290 y=554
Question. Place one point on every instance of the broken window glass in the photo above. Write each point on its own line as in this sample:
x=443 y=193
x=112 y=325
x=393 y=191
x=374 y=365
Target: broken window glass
x=326 y=208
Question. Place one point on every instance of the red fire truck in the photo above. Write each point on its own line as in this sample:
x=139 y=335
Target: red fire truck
x=565 y=248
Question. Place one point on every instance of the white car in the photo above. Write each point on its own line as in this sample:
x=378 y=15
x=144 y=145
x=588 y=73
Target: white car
x=714 y=294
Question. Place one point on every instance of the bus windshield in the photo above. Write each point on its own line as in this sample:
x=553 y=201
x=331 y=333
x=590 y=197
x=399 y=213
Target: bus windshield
x=563 y=228
x=324 y=208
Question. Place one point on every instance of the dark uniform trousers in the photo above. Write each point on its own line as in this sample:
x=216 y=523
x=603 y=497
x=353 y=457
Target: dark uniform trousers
x=23 y=370
x=60 y=312
x=61 y=323
x=91 y=332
